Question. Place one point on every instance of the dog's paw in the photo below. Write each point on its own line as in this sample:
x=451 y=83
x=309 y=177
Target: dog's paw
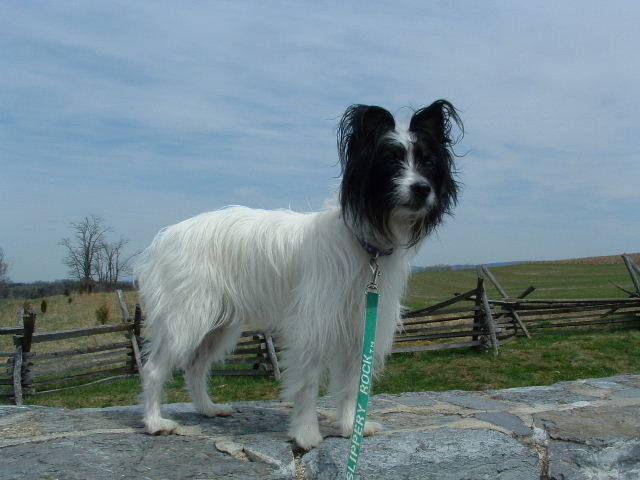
x=370 y=428
x=161 y=426
x=217 y=410
x=307 y=438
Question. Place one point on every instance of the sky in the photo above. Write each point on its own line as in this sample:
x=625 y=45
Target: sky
x=146 y=113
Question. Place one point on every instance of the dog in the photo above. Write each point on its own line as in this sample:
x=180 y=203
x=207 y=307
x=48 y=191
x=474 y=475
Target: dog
x=301 y=276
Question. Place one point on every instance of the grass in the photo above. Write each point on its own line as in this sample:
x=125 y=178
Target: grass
x=62 y=315
x=126 y=391
x=545 y=359
x=550 y=280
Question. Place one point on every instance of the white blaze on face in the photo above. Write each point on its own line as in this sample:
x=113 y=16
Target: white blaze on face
x=409 y=179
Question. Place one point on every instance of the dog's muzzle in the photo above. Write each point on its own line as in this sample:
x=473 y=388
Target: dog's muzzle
x=421 y=196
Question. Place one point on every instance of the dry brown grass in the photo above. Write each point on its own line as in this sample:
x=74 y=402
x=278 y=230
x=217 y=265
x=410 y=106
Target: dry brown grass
x=62 y=315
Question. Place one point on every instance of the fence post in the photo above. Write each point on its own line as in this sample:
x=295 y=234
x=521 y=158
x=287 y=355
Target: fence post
x=137 y=320
x=488 y=317
x=17 y=362
x=17 y=376
x=135 y=341
x=123 y=306
x=503 y=294
x=632 y=267
x=29 y=323
x=477 y=316
x=29 y=329
x=26 y=320
x=271 y=351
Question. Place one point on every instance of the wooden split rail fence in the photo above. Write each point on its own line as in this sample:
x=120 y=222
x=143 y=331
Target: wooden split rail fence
x=469 y=319
x=465 y=320
x=112 y=351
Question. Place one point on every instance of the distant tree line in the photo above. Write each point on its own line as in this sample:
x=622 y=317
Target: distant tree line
x=41 y=289
x=432 y=268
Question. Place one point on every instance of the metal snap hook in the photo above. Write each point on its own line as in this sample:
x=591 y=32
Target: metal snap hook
x=375 y=270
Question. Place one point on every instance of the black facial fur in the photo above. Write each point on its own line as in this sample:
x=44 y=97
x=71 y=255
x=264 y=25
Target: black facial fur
x=371 y=160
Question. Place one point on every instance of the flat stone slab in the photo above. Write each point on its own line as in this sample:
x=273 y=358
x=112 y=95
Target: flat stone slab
x=587 y=429
x=444 y=454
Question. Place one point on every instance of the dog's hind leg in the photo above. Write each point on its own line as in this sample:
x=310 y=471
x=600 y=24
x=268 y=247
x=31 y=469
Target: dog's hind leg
x=213 y=347
x=154 y=374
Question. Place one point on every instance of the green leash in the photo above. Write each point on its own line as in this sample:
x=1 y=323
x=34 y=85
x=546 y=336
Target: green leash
x=366 y=371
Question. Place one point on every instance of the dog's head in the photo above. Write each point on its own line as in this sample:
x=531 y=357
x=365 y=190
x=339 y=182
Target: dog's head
x=397 y=184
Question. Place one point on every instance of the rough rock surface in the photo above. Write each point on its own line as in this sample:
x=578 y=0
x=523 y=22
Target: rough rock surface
x=587 y=429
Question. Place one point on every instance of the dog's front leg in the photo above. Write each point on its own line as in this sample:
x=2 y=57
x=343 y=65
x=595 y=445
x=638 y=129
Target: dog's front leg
x=345 y=379
x=301 y=387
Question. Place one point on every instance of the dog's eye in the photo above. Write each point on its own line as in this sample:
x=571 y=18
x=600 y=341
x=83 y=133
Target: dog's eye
x=397 y=155
x=422 y=155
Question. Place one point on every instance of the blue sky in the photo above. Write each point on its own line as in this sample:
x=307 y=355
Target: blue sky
x=146 y=113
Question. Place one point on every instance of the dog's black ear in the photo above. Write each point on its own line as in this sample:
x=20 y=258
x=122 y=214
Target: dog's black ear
x=360 y=128
x=435 y=120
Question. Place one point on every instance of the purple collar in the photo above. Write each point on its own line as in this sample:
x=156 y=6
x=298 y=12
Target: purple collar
x=372 y=250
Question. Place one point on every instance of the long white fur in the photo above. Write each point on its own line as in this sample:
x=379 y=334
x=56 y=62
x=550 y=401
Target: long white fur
x=301 y=276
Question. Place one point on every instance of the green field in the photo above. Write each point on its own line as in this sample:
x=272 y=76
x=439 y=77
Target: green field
x=550 y=280
x=545 y=359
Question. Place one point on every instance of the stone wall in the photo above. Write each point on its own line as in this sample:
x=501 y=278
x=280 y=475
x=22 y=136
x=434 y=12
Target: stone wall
x=587 y=429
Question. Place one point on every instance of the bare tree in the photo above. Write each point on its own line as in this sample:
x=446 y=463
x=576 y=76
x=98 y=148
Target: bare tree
x=112 y=263
x=83 y=248
x=4 y=269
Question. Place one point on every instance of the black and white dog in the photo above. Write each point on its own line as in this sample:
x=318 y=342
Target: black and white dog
x=300 y=275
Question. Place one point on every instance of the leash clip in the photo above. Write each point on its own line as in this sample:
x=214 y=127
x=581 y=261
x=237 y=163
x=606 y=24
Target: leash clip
x=375 y=271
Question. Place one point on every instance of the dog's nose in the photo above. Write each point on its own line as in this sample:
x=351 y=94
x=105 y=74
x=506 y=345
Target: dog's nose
x=421 y=190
